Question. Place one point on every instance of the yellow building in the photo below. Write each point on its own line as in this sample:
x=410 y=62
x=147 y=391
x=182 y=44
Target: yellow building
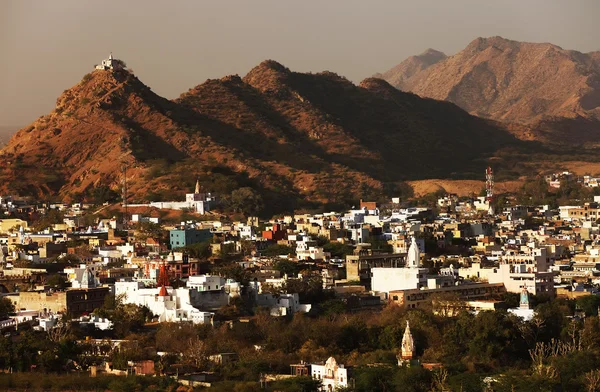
x=7 y=224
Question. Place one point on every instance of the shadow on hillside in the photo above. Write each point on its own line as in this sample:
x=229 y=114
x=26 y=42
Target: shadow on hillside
x=416 y=137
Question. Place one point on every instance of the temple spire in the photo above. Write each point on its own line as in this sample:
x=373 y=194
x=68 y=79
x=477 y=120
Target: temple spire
x=413 y=258
x=408 y=344
x=197 y=190
x=162 y=281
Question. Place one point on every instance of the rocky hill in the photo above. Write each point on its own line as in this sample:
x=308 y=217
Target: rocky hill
x=402 y=74
x=536 y=84
x=297 y=139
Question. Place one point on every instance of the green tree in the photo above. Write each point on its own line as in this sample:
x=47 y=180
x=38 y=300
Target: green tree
x=589 y=304
x=200 y=250
x=145 y=230
x=57 y=281
x=6 y=306
x=287 y=267
x=246 y=201
x=277 y=250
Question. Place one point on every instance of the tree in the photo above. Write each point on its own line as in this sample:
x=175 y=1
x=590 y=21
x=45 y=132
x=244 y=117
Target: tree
x=126 y=318
x=196 y=352
x=199 y=250
x=246 y=201
x=57 y=281
x=337 y=249
x=278 y=250
x=233 y=271
x=286 y=267
x=145 y=230
x=589 y=304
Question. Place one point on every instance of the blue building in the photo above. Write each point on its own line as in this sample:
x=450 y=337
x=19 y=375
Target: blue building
x=179 y=238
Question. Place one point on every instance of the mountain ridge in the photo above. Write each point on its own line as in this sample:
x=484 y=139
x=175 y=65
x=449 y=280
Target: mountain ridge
x=511 y=81
x=297 y=139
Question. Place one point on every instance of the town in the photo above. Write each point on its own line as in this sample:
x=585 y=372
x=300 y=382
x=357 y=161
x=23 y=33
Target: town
x=107 y=282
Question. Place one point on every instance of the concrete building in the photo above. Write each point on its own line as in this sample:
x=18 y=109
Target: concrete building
x=331 y=375
x=73 y=301
x=185 y=236
x=415 y=298
x=169 y=304
x=412 y=276
x=531 y=272
x=109 y=64
x=282 y=304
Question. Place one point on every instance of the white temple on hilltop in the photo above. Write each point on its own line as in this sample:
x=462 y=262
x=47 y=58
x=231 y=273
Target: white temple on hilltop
x=407 y=350
x=110 y=63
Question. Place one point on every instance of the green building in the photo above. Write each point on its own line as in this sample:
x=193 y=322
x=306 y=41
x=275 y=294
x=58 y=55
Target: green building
x=179 y=238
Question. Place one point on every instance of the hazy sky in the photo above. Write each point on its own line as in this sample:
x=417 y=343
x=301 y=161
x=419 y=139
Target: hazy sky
x=47 y=46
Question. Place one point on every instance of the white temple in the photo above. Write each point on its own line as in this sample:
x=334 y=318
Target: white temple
x=412 y=276
x=333 y=376
x=110 y=64
x=407 y=350
x=413 y=258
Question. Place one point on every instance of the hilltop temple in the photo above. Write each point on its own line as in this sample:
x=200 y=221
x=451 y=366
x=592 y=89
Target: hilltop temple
x=111 y=64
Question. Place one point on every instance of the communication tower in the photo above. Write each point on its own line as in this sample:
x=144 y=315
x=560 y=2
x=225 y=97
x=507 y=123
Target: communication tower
x=489 y=188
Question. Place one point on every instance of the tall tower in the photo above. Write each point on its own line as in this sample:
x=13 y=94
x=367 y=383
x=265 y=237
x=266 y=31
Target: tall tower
x=489 y=188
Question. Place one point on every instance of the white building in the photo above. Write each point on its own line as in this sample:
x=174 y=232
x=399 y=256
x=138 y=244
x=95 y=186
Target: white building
x=169 y=304
x=197 y=202
x=412 y=276
x=110 y=63
x=282 y=304
x=531 y=272
x=305 y=250
x=332 y=375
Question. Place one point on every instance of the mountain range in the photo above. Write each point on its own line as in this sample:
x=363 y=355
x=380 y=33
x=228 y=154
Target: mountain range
x=298 y=139
x=543 y=91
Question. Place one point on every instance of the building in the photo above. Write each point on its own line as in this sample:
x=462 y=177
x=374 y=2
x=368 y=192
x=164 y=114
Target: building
x=169 y=304
x=110 y=64
x=412 y=276
x=525 y=271
x=282 y=304
x=186 y=236
x=407 y=350
x=360 y=264
x=73 y=301
x=11 y=224
x=198 y=202
x=332 y=375
x=415 y=298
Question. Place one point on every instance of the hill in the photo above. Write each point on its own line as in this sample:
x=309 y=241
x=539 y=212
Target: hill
x=403 y=73
x=6 y=133
x=298 y=140
x=553 y=91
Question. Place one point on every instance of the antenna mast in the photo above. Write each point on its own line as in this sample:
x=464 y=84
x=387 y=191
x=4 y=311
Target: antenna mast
x=489 y=188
